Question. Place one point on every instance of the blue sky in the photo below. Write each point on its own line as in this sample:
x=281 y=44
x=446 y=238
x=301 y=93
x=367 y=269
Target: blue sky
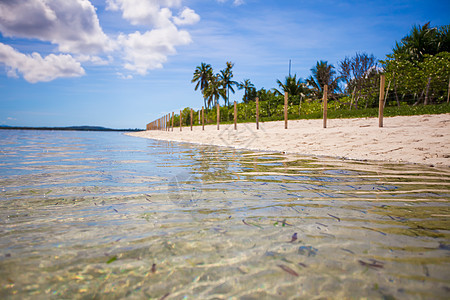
x=123 y=63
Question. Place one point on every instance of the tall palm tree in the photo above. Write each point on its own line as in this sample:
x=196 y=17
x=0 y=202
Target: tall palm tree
x=214 y=90
x=323 y=74
x=249 y=88
x=292 y=85
x=225 y=77
x=202 y=76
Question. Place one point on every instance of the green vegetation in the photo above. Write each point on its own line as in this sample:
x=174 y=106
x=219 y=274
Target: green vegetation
x=417 y=76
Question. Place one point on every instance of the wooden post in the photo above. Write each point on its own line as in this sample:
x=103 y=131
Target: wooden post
x=257 y=113
x=172 y=120
x=181 y=120
x=235 y=115
x=218 y=115
x=381 y=104
x=285 y=110
x=203 y=118
x=448 y=90
x=325 y=105
x=192 y=117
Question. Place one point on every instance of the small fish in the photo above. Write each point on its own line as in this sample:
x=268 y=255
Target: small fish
x=165 y=296
x=288 y=270
x=295 y=209
x=116 y=210
x=294 y=238
x=303 y=265
x=373 y=264
x=383 y=233
x=243 y=221
x=337 y=218
x=346 y=250
x=153 y=268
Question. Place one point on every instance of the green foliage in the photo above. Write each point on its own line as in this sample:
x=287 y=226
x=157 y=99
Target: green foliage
x=417 y=72
x=411 y=79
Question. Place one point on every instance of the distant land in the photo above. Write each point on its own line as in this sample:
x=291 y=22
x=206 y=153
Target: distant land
x=74 y=128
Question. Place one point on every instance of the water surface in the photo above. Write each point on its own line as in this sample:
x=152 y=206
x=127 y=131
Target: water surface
x=104 y=215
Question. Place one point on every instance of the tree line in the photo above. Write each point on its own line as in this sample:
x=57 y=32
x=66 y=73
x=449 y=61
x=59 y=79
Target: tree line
x=417 y=72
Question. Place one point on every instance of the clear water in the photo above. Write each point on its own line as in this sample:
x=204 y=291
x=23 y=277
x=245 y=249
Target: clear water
x=103 y=215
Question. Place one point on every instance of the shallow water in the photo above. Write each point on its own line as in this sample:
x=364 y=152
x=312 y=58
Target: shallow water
x=104 y=215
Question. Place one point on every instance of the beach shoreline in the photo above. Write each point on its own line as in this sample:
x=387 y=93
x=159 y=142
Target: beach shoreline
x=420 y=139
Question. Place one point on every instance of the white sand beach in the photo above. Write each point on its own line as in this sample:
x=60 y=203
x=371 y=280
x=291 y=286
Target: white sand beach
x=423 y=139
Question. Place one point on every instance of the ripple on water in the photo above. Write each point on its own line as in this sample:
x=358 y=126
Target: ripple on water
x=105 y=215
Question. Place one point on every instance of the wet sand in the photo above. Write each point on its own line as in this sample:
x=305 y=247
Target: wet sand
x=423 y=139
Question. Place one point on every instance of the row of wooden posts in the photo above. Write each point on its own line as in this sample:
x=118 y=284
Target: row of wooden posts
x=165 y=123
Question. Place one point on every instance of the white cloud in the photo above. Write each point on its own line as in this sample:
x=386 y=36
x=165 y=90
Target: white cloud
x=186 y=17
x=235 y=2
x=123 y=76
x=150 y=50
x=151 y=12
x=35 y=68
x=94 y=60
x=72 y=25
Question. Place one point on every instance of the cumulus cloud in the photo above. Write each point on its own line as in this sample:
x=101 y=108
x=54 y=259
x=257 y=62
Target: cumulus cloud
x=35 y=68
x=150 y=50
x=72 y=25
x=186 y=17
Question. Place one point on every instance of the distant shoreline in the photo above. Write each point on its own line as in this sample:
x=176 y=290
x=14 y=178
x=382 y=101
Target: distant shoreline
x=70 y=128
x=419 y=139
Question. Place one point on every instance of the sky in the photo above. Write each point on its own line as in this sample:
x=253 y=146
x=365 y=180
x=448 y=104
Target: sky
x=124 y=63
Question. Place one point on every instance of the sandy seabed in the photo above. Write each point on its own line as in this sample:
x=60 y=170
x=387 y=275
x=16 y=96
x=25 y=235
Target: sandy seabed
x=423 y=139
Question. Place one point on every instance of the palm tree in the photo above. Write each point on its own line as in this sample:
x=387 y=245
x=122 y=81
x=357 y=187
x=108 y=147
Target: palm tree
x=225 y=78
x=214 y=90
x=202 y=76
x=323 y=74
x=292 y=85
x=421 y=40
x=249 y=89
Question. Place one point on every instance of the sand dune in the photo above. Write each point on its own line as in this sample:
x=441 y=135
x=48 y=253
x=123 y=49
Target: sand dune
x=423 y=139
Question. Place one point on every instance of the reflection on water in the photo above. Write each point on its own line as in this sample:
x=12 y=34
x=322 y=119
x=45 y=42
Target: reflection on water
x=103 y=215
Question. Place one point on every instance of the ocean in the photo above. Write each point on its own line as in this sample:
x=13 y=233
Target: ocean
x=102 y=215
